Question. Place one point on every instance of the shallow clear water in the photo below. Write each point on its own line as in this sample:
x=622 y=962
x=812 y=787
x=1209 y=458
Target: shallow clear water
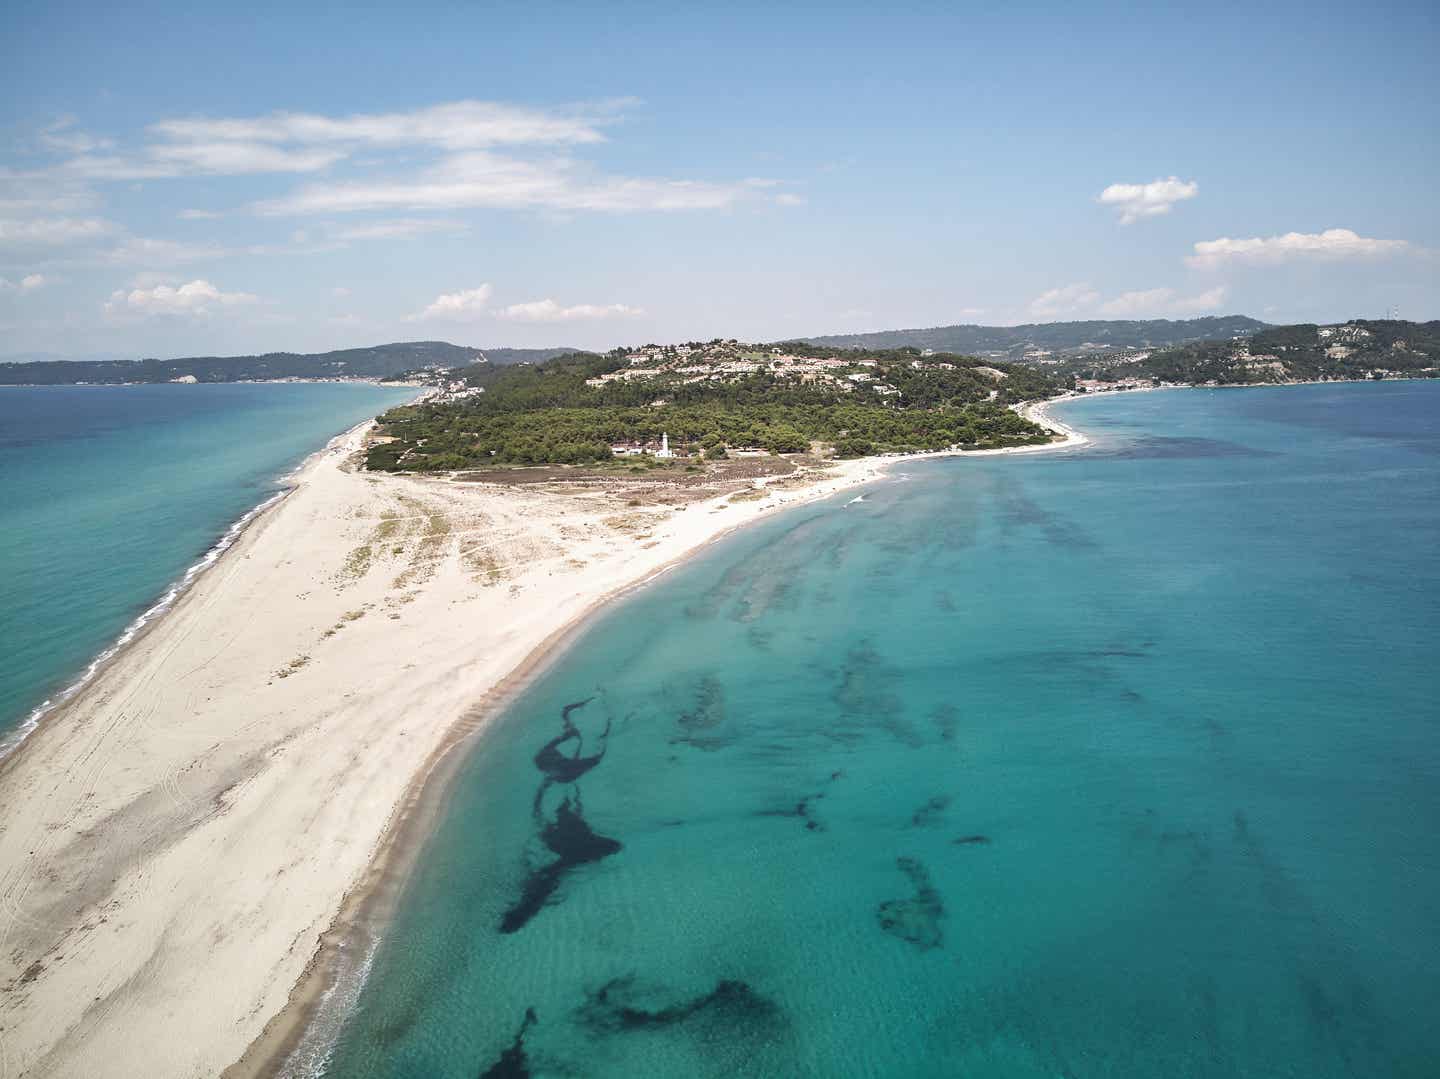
x=109 y=493
x=1112 y=763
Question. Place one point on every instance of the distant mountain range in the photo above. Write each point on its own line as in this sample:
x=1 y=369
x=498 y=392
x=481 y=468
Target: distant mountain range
x=380 y=361
x=1053 y=336
x=387 y=361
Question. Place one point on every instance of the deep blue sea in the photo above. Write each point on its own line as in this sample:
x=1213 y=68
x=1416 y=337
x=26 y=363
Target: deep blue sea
x=109 y=493
x=1122 y=762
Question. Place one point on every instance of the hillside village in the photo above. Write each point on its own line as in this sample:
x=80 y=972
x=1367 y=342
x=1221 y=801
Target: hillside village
x=726 y=361
x=1356 y=350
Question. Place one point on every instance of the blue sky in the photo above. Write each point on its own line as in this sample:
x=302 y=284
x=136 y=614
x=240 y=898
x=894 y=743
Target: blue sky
x=176 y=180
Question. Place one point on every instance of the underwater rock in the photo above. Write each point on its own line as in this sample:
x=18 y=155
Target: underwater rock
x=868 y=697
x=615 y=1008
x=574 y=843
x=916 y=919
x=800 y=809
x=512 y=1063
x=702 y=720
x=804 y=808
x=930 y=812
x=558 y=767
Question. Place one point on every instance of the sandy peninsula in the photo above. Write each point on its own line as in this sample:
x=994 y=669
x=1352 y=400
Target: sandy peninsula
x=177 y=839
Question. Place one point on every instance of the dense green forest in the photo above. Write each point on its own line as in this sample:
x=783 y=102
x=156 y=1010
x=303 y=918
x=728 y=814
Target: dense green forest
x=549 y=413
x=380 y=361
x=1056 y=336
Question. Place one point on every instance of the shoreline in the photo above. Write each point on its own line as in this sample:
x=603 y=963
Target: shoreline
x=13 y=740
x=285 y=1048
x=282 y=1048
x=182 y=743
x=301 y=777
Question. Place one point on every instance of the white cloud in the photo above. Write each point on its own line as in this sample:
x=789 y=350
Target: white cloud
x=1159 y=301
x=65 y=137
x=1330 y=244
x=550 y=311
x=485 y=180
x=1135 y=201
x=28 y=283
x=199 y=215
x=1209 y=300
x=287 y=142
x=29 y=194
x=143 y=249
x=787 y=199
x=238 y=158
x=464 y=160
x=195 y=298
x=462 y=306
x=1134 y=303
x=406 y=226
x=1063 y=301
x=456 y=125
x=73 y=142
x=192 y=159
x=340 y=291
x=49 y=231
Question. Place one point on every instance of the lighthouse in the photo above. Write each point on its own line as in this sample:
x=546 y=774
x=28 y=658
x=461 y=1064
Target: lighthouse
x=665 y=446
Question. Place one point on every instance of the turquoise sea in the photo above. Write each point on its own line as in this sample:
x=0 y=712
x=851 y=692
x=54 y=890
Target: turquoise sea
x=108 y=494
x=1120 y=762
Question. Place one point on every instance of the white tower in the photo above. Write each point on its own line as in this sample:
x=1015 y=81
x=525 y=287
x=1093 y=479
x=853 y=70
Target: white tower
x=665 y=446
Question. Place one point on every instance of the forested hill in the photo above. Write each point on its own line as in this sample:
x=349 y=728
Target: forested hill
x=712 y=398
x=379 y=361
x=1358 y=349
x=1054 y=336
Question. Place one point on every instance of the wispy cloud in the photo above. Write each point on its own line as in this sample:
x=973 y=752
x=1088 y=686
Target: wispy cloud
x=28 y=283
x=298 y=142
x=1066 y=300
x=65 y=137
x=1136 y=201
x=1162 y=301
x=492 y=181
x=468 y=305
x=456 y=125
x=1083 y=300
x=1292 y=246
x=151 y=251
x=463 y=306
x=477 y=154
x=549 y=311
x=409 y=226
x=197 y=298
x=50 y=231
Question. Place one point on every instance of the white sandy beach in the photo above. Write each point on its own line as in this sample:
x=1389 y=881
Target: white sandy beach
x=177 y=837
